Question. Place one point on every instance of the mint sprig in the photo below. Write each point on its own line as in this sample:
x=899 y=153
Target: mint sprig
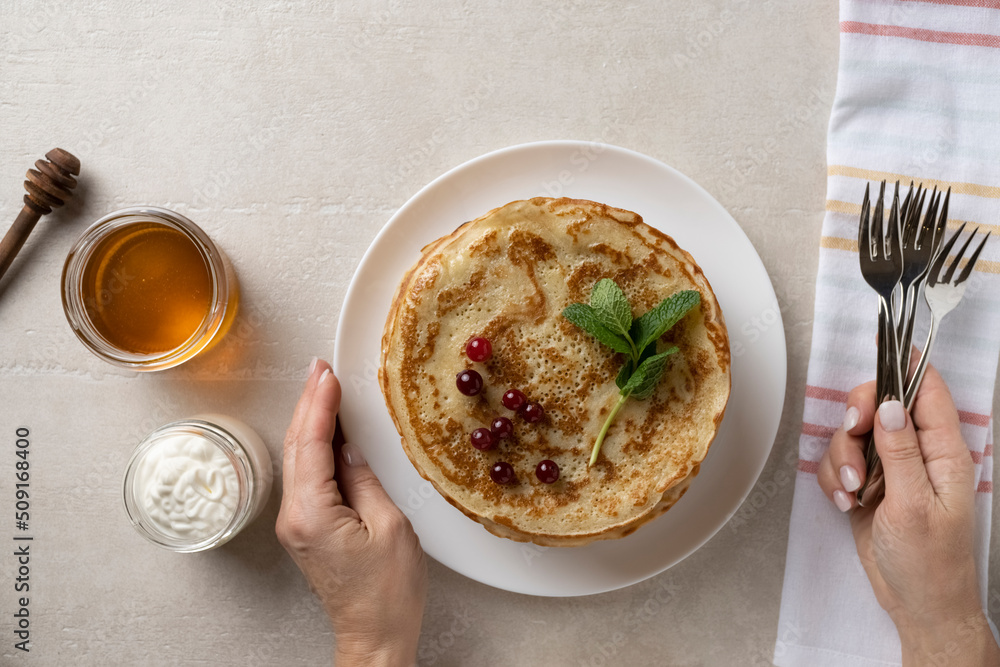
x=608 y=318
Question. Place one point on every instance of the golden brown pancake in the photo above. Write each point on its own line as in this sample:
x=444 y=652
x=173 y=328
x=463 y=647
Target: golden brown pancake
x=507 y=276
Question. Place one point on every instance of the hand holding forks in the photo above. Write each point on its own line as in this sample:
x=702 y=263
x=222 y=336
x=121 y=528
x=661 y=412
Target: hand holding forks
x=907 y=253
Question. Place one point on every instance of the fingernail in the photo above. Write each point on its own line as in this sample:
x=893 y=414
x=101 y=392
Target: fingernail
x=324 y=376
x=892 y=416
x=849 y=478
x=312 y=365
x=841 y=500
x=851 y=418
x=352 y=455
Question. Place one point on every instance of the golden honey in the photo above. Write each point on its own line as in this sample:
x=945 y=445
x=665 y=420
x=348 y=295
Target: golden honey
x=147 y=289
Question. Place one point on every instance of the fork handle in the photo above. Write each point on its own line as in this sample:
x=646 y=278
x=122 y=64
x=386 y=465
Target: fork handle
x=874 y=487
x=888 y=384
x=905 y=327
x=918 y=374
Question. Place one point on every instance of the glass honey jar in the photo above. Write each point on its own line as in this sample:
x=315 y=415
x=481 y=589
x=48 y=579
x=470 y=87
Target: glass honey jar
x=146 y=289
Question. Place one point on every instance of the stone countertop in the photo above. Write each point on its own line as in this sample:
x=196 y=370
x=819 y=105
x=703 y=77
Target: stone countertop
x=291 y=133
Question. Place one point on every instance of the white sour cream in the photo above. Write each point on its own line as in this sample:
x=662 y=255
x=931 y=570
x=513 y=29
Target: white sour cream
x=187 y=487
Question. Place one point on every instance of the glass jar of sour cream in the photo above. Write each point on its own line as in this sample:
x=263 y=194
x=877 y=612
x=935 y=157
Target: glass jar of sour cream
x=192 y=485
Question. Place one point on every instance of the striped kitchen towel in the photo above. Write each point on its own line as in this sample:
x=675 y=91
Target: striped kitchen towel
x=918 y=98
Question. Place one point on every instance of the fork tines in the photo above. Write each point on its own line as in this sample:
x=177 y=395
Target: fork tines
x=936 y=275
x=881 y=240
x=967 y=271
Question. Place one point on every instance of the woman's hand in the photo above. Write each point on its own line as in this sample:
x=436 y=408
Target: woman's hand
x=916 y=545
x=355 y=547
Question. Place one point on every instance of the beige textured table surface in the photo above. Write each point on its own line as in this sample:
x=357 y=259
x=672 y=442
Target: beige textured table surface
x=291 y=133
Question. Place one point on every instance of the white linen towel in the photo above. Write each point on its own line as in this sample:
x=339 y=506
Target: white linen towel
x=918 y=98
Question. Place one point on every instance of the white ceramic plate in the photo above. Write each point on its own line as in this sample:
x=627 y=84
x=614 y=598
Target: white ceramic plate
x=667 y=200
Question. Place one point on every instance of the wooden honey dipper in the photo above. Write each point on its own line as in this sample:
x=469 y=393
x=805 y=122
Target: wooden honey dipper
x=49 y=185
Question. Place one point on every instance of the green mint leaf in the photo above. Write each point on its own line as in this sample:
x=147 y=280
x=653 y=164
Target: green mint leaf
x=584 y=317
x=647 y=352
x=626 y=371
x=647 y=329
x=612 y=306
x=643 y=382
x=624 y=374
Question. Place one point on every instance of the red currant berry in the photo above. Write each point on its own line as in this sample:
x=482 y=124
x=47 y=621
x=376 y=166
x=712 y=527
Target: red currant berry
x=513 y=399
x=502 y=428
x=479 y=349
x=547 y=471
x=531 y=413
x=482 y=439
x=469 y=383
x=502 y=472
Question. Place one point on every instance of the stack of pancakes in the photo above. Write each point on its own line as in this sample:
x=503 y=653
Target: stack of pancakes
x=507 y=276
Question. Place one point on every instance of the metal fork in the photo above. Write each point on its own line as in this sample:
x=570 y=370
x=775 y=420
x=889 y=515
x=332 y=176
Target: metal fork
x=918 y=247
x=881 y=257
x=942 y=292
x=919 y=233
x=917 y=253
